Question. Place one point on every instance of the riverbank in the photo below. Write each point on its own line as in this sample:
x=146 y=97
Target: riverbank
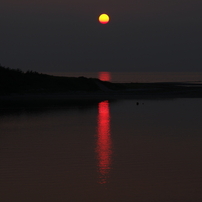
x=134 y=91
x=33 y=89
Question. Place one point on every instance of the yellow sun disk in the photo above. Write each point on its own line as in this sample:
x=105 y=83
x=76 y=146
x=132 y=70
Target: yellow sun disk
x=103 y=18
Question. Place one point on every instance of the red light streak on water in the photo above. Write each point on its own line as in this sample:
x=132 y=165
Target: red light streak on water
x=104 y=141
x=104 y=76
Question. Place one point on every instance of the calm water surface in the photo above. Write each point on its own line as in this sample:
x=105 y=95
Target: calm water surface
x=111 y=151
x=140 y=77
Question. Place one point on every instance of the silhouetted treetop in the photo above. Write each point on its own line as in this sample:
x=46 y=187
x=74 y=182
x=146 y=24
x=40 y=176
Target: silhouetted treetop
x=17 y=81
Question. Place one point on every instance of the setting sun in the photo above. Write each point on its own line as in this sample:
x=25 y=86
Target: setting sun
x=103 y=18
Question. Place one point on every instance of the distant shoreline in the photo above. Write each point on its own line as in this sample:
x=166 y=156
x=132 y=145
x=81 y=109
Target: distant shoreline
x=33 y=89
x=145 y=91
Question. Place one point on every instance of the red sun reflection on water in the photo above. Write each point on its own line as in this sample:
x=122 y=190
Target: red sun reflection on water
x=104 y=76
x=104 y=141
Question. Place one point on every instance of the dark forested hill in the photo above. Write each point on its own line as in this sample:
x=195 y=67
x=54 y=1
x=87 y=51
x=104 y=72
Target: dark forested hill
x=16 y=81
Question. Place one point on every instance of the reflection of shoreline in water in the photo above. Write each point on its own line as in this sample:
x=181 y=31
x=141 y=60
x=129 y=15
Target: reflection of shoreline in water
x=103 y=148
x=44 y=107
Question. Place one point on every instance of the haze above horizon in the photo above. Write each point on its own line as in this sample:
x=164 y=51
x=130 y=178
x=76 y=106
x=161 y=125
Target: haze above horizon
x=65 y=36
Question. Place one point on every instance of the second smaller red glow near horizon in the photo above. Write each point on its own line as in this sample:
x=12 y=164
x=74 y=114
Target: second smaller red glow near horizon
x=104 y=76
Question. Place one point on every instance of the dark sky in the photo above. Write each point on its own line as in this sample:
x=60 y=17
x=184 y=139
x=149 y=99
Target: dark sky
x=65 y=35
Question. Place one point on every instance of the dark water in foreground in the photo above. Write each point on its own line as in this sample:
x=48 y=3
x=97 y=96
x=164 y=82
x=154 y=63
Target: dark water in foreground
x=112 y=151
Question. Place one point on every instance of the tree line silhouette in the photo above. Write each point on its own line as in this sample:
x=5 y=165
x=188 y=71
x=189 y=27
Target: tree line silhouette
x=17 y=81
